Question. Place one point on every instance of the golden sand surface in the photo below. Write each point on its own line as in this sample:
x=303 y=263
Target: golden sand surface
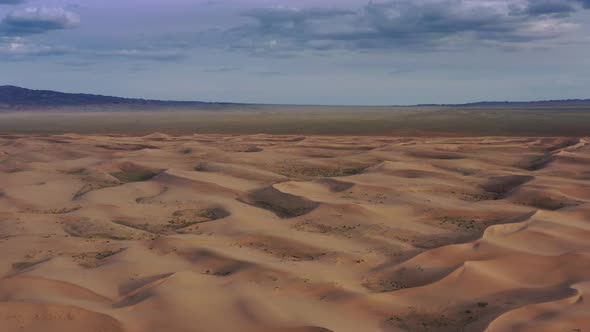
x=293 y=233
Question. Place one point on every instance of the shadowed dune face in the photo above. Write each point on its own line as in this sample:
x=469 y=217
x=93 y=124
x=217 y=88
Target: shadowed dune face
x=293 y=233
x=504 y=185
x=282 y=204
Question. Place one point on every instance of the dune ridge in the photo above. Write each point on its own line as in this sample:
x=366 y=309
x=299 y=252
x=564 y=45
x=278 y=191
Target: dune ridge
x=293 y=233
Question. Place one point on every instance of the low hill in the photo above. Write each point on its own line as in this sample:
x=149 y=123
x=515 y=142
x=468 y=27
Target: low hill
x=13 y=97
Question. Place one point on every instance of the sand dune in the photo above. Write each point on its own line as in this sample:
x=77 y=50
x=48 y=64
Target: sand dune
x=293 y=233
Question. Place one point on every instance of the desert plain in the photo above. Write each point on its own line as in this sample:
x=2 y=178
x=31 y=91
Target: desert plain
x=293 y=233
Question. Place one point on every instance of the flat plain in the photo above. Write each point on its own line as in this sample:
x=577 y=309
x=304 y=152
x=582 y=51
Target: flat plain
x=412 y=121
x=293 y=233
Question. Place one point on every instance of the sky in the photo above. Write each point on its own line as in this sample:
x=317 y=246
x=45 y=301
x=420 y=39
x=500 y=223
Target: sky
x=338 y=52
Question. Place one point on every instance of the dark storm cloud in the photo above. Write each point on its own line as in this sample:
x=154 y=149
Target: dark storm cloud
x=405 y=23
x=37 y=20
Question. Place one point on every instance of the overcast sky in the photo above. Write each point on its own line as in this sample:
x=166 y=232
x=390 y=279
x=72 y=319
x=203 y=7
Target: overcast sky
x=302 y=52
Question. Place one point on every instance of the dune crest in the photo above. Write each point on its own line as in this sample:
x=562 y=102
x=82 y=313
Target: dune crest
x=293 y=233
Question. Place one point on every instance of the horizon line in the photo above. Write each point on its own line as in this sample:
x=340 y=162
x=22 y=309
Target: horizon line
x=472 y=103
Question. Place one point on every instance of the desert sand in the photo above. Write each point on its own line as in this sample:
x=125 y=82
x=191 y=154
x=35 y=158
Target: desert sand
x=293 y=233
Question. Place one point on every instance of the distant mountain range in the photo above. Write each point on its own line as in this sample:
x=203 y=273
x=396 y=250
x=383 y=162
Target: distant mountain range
x=540 y=103
x=13 y=97
x=17 y=98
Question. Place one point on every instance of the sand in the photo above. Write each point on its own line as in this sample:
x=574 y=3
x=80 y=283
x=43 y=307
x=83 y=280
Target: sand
x=293 y=233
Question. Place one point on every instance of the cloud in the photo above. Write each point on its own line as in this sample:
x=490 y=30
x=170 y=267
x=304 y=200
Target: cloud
x=221 y=70
x=409 y=24
x=11 y=2
x=17 y=48
x=268 y=73
x=550 y=7
x=37 y=20
x=291 y=19
x=433 y=21
x=148 y=54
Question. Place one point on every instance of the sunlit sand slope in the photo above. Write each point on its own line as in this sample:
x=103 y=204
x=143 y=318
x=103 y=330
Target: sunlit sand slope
x=293 y=233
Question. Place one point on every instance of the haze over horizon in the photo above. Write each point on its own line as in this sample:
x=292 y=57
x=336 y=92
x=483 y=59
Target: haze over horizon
x=26 y=96
x=322 y=52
